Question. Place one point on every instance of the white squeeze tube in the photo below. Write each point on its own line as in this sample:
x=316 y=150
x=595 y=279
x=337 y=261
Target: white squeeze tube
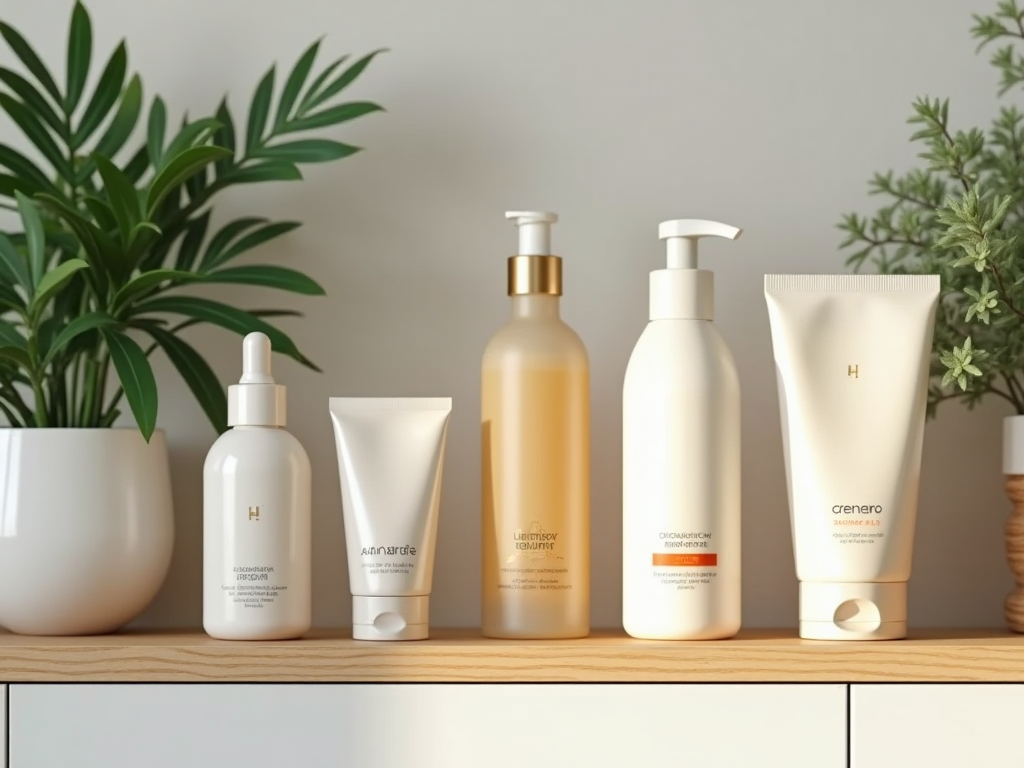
x=391 y=459
x=852 y=356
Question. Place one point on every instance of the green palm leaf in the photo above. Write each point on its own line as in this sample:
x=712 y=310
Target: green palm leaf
x=124 y=121
x=268 y=276
x=293 y=86
x=136 y=376
x=259 y=111
x=225 y=316
x=198 y=375
x=31 y=60
x=74 y=329
x=33 y=99
x=107 y=92
x=79 y=56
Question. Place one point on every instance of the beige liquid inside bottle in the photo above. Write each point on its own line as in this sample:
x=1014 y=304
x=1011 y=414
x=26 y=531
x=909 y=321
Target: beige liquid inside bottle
x=536 y=456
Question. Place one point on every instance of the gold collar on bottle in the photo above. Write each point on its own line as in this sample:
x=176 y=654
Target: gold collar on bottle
x=535 y=274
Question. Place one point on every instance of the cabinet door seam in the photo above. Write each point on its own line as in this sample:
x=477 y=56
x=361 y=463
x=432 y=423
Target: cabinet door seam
x=849 y=725
x=7 y=726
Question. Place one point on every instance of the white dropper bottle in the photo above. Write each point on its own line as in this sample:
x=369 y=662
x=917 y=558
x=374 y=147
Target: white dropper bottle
x=256 y=514
x=681 y=456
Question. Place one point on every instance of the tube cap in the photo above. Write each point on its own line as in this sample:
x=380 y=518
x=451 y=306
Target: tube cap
x=853 y=610
x=390 y=618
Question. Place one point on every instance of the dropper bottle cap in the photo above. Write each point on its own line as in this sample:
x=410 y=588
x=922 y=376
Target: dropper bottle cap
x=256 y=400
x=683 y=291
x=534 y=270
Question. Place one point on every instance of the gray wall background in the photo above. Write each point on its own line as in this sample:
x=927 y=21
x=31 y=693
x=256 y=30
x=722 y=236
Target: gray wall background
x=769 y=116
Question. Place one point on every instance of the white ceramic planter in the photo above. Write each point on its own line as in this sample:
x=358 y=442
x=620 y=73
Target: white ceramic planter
x=1013 y=469
x=86 y=528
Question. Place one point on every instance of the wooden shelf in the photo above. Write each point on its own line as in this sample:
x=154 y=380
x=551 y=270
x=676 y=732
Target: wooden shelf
x=463 y=656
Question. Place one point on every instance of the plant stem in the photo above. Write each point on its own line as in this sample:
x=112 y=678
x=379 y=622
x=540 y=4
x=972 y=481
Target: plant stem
x=74 y=412
x=12 y=398
x=12 y=394
x=12 y=420
x=89 y=395
x=1016 y=390
x=56 y=398
x=57 y=385
x=173 y=229
x=65 y=411
x=113 y=403
x=35 y=375
x=999 y=393
x=101 y=391
x=896 y=241
x=1003 y=292
x=40 y=397
x=910 y=199
x=959 y=171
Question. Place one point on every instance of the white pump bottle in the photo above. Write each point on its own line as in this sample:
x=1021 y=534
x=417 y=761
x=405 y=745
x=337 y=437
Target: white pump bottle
x=681 y=457
x=256 y=514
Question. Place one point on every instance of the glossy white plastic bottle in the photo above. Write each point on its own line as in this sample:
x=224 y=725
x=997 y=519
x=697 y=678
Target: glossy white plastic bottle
x=681 y=457
x=256 y=514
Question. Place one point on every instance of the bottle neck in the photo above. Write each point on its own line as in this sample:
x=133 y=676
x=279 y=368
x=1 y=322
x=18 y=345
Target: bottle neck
x=535 y=306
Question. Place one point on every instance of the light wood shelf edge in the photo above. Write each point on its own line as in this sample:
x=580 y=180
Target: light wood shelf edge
x=454 y=655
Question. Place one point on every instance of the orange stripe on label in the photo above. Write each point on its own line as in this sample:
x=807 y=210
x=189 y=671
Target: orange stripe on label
x=678 y=559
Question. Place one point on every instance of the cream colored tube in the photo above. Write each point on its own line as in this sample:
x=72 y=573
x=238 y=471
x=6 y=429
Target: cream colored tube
x=391 y=458
x=852 y=356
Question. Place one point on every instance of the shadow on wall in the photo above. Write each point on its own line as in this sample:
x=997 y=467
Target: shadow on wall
x=361 y=337
x=960 y=570
x=179 y=602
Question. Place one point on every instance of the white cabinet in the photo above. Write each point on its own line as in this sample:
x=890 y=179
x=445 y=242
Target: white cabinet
x=442 y=726
x=939 y=726
x=3 y=728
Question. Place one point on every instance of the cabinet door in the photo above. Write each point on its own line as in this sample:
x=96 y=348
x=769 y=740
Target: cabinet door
x=939 y=726
x=442 y=726
x=3 y=726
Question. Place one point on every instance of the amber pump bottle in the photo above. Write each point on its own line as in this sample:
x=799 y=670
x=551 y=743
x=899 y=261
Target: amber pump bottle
x=536 y=455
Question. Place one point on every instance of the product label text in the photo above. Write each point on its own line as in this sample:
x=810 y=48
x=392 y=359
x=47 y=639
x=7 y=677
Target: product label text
x=857 y=509
x=404 y=549
x=685 y=539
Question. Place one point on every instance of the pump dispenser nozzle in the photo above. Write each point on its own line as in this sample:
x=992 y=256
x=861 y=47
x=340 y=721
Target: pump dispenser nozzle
x=534 y=231
x=256 y=400
x=682 y=236
x=683 y=291
x=534 y=270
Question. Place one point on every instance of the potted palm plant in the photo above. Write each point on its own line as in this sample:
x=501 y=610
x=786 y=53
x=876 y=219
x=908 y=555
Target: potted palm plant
x=95 y=279
x=961 y=216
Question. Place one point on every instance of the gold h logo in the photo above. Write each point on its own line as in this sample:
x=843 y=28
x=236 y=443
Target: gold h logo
x=853 y=370
x=254 y=513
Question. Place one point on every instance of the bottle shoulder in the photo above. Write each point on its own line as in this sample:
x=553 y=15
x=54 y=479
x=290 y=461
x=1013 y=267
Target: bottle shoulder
x=544 y=341
x=682 y=349
x=681 y=336
x=257 y=446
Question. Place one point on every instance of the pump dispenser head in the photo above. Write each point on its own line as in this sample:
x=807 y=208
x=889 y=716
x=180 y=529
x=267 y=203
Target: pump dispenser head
x=256 y=401
x=683 y=290
x=534 y=270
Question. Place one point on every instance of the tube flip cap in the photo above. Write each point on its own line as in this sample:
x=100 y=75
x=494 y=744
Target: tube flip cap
x=853 y=610
x=390 y=618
